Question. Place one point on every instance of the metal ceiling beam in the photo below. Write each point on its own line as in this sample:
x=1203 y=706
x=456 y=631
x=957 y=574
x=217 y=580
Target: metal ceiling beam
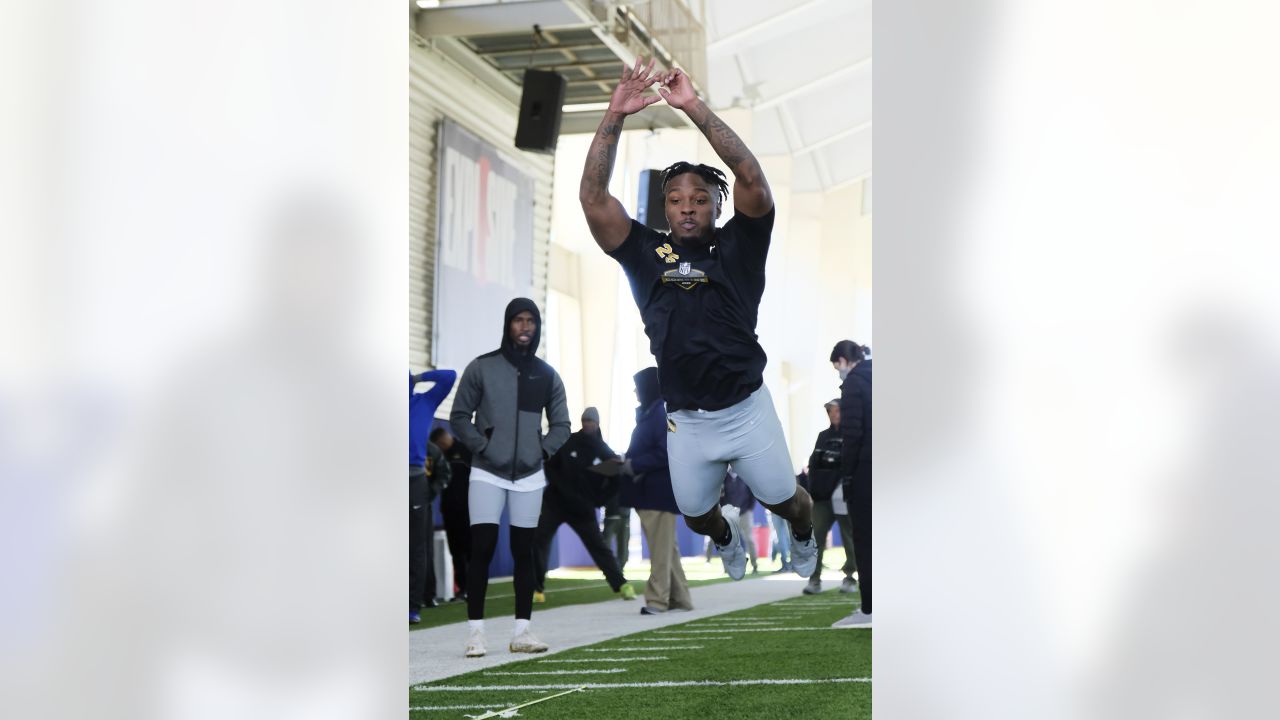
x=812 y=84
x=833 y=138
x=531 y=48
x=849 y=181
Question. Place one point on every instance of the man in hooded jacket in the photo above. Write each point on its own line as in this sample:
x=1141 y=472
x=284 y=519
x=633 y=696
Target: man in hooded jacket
x=497 y=414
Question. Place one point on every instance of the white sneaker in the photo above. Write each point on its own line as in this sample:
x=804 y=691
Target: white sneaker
x=813 y=588
x=475 y=643
x=804 y=556
x=525 y=642
x=734 y=555
x=855 y=620
x=849 y=585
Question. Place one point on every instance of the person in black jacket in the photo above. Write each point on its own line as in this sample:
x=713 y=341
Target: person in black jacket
x=646 y=486
x=824 y=487
x=453 y=506
x=572 y=496
x=850 y=360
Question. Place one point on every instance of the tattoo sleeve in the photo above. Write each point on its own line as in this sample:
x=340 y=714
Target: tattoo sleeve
x=726 y=142
x=600 y=157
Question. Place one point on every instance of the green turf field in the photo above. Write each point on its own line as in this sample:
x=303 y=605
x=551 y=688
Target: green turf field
x=725 y=666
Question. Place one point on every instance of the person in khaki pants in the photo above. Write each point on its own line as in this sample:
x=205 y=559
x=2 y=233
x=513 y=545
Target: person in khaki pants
x=646 y=486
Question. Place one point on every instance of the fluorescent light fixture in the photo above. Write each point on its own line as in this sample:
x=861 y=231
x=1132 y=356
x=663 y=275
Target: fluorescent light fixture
x=586 y=107
x=428 y=4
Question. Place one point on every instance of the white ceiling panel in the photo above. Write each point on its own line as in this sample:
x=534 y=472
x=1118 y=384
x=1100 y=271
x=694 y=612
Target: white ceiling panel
x=829 y=109
x=767 y=137
x=805 y=67
x=848 y=159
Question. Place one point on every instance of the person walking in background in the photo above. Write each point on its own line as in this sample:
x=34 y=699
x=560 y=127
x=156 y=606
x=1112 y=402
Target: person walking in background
x=781 y=541
x=646 y=486
x=851 y=361
x=422 y=411
x=572 y=496
x=824 y=485
x=617 y=524
x=453 y=506
x=498 y=414
x=738 y=496
x=439 y=476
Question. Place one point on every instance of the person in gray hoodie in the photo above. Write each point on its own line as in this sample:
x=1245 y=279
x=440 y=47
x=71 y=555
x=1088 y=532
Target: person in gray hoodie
x=497 y=415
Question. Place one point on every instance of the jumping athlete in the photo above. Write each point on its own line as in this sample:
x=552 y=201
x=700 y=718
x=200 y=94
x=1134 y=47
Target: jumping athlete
x=698 y=289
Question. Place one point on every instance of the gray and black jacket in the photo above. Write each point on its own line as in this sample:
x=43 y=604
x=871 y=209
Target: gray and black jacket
x=497 y=412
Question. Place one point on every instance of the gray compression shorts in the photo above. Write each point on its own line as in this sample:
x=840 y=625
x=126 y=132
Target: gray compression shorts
x=486 y=502
x=701 y=444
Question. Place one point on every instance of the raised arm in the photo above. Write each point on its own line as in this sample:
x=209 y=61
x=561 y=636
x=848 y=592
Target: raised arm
x=751 y=194
x=606 y=218
x=443 y=380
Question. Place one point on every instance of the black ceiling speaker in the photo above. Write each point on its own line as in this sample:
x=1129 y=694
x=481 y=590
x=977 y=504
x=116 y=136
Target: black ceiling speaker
x=540 y=103
x=651 y=207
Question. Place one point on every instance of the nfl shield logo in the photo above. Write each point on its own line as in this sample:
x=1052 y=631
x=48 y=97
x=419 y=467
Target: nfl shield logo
x=685 y=267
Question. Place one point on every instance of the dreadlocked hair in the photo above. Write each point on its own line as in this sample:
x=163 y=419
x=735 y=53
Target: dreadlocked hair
x=713 y=176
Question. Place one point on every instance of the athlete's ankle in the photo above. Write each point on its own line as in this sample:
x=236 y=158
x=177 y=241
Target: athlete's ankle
x=725 y=535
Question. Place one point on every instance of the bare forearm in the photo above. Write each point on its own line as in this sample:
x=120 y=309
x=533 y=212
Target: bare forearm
x=726 y=143
x=600 y=157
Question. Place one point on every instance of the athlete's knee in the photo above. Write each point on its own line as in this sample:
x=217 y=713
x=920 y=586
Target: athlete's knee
x=521 y=540
x=797 y=506
x=803 y=500
x=484 y=540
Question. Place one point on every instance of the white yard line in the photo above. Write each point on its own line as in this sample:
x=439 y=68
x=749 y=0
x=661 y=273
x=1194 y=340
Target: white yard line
x=645 y=649
x=605 y=660
x=658 y=684
x=671 y=639
x=783 y=629
x=427 y=708
x=812 y=602
x=609 y=671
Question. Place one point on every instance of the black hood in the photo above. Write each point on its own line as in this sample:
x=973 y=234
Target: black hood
x=863 y=368
x=647 y=386
x=509 y=349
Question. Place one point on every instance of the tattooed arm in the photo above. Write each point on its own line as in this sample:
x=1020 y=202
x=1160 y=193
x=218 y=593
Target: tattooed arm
x=751 y=194
x=606 y=217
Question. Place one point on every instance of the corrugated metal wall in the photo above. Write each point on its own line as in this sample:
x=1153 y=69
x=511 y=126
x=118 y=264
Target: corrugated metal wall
x=438 y=87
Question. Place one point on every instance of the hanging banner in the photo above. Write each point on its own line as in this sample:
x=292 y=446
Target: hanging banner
x=485 y=249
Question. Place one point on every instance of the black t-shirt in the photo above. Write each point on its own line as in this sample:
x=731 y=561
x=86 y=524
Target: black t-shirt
x=699 y=306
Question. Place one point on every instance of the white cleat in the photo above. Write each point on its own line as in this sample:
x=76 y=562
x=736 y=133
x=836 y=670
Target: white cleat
x=849 y=585
x=525 y=642
x=855 y=620
x=813 y=588
x=475 y=644
x=804 y=556
x=734 y=555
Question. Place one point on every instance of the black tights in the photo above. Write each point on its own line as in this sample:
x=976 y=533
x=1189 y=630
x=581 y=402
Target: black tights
x=484 y=541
